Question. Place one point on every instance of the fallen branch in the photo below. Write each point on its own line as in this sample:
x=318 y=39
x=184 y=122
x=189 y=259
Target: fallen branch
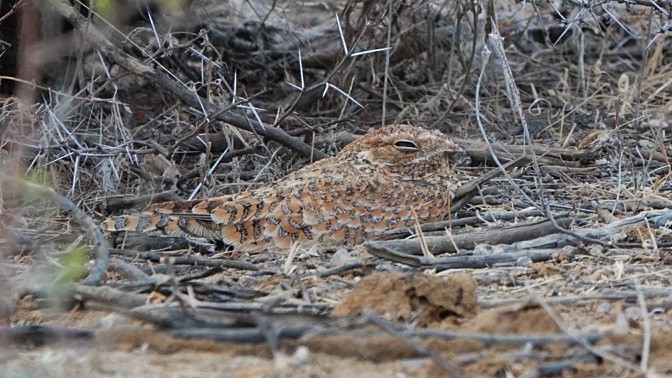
x=511 y=339
x=466 y=221
x=471 y=261
x=468 y=241
x=38 y=335
x=194 y=260
x=239 y=335
x=128 y=270
x=341 y=269
x=110 y=297
x=655 y=219
x=547 y=155
x=610 y=295
x=126 y=202
x=136 y=242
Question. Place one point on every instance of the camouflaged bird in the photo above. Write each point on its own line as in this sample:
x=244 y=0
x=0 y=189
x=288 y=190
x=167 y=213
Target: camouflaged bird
x=382 y=181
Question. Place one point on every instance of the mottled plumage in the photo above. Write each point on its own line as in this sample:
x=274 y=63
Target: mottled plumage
x=381 y=181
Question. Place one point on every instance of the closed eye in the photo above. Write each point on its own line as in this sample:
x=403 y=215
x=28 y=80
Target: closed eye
x=406 y=145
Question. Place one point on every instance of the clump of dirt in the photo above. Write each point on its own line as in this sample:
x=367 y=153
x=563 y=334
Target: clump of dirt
x=430 y=301
x=518 y=320
x=27 y=311
x=660 y=350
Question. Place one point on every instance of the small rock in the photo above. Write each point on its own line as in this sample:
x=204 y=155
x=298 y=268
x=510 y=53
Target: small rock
x=341 y=257
x=604 y=308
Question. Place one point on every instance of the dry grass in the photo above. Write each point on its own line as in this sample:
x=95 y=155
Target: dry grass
x=102 y=131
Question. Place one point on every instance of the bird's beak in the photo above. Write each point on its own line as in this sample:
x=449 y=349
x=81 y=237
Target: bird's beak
x=459 y=157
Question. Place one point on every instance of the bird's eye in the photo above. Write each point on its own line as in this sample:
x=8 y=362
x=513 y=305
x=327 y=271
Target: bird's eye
x=406 y=145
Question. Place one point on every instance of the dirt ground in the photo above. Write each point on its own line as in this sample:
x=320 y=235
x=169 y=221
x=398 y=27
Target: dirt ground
x=436 y=304
x=140 y=112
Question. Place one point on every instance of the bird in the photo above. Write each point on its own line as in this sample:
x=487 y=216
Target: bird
x=389 y=178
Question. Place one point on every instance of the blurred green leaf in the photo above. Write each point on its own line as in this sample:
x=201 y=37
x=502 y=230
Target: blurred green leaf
x=106 y=9
x=73 y=268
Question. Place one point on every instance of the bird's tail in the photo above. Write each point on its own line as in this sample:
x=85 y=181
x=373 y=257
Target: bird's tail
x=167 y=222
x=144 y=222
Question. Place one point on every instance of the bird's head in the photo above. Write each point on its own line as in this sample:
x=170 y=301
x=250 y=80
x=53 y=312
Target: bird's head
x=404 y=150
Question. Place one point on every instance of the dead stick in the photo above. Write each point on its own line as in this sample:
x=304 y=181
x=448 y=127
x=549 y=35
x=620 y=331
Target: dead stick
x=505 y=339
x=42 y=334
x=470 y=261
x=111 y=297
x=459 y=222
x=608 y=295
x=125 y=202
x=484 y=261
x=442 y=244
